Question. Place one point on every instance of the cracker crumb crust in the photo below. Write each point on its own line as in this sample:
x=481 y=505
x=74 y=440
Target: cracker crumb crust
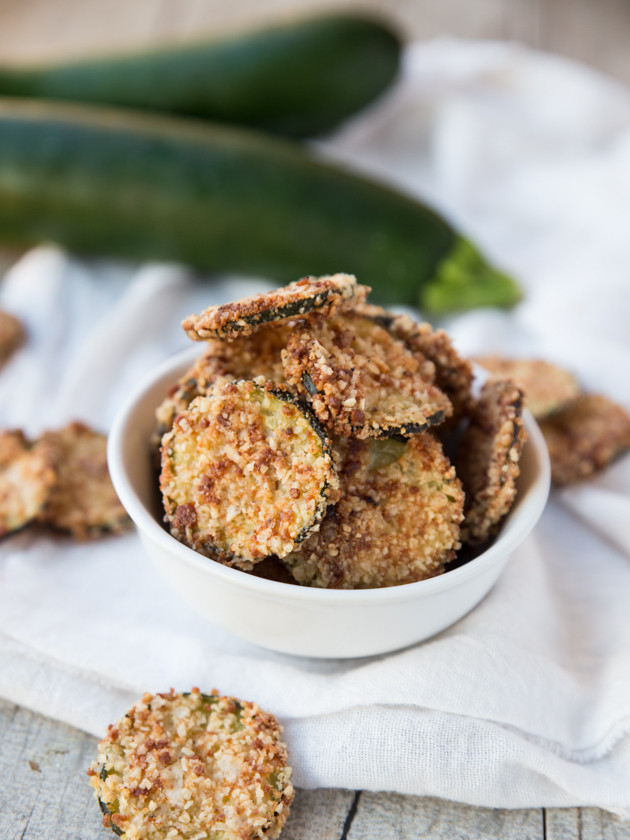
x=12 y=335
x=246 y=473
x=27 y=475
x=241 y=318
x=547 y=387
x=585 y=437
x=83 y=502
x=397 y=521
x=361 y=381
x=488 y=458
x=193 y=766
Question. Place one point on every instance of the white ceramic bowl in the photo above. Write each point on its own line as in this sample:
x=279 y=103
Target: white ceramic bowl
x=302 y=620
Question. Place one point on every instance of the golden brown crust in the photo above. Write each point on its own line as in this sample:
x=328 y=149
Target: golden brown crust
x=453 y=373
x=11 y=335
x=397 y=520
x=243 y=358
x=27 y=475
x=83 y=502
x=243 y=317
x=547 y=388
x=488 y=458
x=246 y=473
x=191 y=766
x=362 y=381
x=585 y=437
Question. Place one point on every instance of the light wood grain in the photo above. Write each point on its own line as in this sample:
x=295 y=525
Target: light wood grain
x=396 y=817
x=584 y=824
x=592 y=32
x=45 y=795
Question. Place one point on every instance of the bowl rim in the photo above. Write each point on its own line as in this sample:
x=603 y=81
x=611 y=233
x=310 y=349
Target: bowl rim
x=147 y=525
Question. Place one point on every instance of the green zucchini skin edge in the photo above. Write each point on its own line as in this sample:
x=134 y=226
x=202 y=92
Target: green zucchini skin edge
x=299 y=78
x=219 y=199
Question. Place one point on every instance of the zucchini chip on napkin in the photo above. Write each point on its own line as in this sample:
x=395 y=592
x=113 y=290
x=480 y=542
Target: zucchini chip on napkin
x=193 y=766
x=547 y=387
x=241 y=318
x=585 y=437
x=246 y=473
x=27 y=475
x=397 y=520
x=362 y=381
x=11 y=335
x=488 y=457
x=83 y=502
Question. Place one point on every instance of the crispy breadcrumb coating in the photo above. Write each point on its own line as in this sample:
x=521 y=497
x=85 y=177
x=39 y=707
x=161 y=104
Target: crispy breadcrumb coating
x=11 y=335
x=246 y=473
x=362 y=382
x=193 y=766
x=84 y=502
x=547 y=387
x=453 y=373
x=488 y=458
x=241 y=318
x=243 y=358
x=397 y=520
x=27 y=476
x=585 y=437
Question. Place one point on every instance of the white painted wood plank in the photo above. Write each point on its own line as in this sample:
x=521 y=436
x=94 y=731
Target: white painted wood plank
x=45 y=792
x=318 y=815
x=585 y=824
x=395 y=817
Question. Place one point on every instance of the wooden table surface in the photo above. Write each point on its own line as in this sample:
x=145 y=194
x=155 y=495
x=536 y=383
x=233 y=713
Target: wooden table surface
x=44 y=791
x=45 y=795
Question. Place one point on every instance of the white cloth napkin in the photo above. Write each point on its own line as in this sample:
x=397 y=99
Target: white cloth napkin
x=526 y=701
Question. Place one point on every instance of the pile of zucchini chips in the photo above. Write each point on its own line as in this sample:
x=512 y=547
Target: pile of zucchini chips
x=309 y=440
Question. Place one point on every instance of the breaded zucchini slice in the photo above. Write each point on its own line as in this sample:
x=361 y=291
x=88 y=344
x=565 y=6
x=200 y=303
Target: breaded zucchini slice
x=453 y=373
x=192 y=766
x=246 y=472
x=585 y=437
x=241 y=318
x=27 y=476
x=362 y=382
x=488 y=458
x=11 y=335
x=547 y=388
x=397 y=520
x=84 y=502
x=243 y=358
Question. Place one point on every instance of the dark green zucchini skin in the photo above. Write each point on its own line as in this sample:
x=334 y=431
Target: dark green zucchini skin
x=216 y=198
x=299 y=79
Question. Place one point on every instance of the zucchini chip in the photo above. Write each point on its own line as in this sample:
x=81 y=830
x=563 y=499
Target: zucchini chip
x=11 y=335
x=192 y=766
x=397 y=520
x=547 y=388
x=241 y=318
x=488 y=458
x=27 y=476
x=243 y=358
x=246 y=473
x=585 y=437
x=453 y=374
x=84 y=502
x=362 y=382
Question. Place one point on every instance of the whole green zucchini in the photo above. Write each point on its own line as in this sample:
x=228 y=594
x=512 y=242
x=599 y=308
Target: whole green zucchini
x=224 y=199
x=299 y=79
